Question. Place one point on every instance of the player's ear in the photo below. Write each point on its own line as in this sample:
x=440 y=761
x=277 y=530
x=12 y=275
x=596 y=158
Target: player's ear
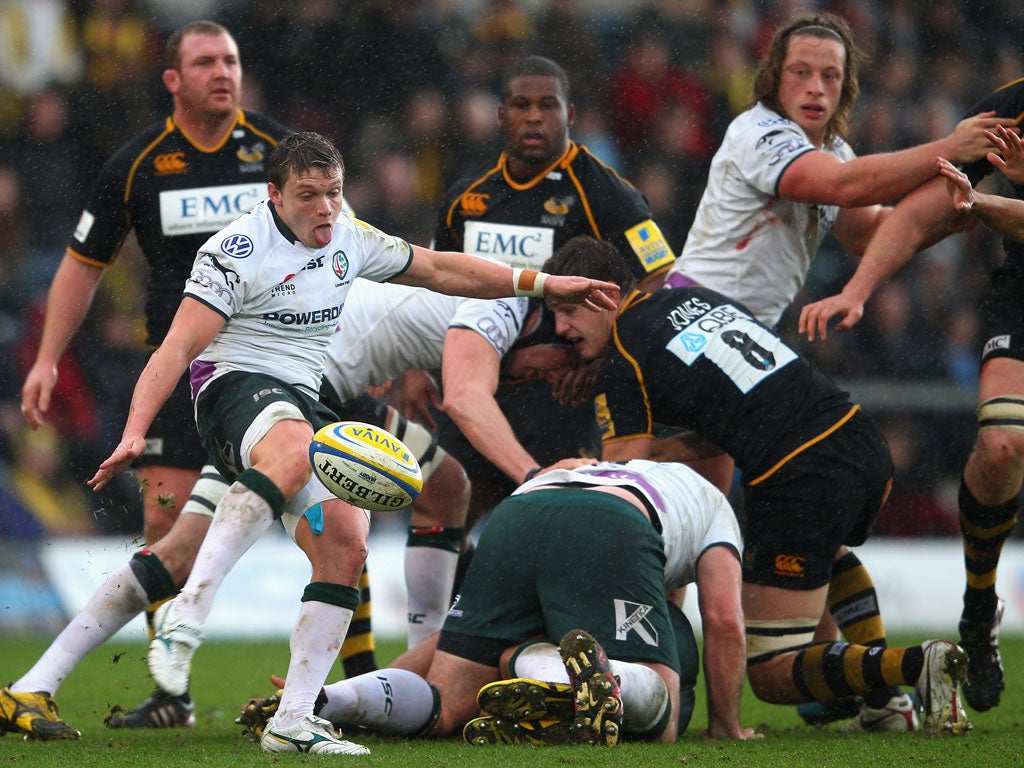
x=171 y=80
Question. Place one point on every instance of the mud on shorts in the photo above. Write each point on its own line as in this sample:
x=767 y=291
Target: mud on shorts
x=826 y=496
x=173 y=439
x=549 y=561
x=229 y=405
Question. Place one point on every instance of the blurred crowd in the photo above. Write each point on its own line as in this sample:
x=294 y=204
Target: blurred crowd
x=407 y=89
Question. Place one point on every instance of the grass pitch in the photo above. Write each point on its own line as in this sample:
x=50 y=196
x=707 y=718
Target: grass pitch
x=225 y=675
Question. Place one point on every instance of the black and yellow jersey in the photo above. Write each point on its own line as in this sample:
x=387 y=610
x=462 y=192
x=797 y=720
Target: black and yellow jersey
x=488 y=213
x=691 y=358
x=174 y=194
x=522 y=223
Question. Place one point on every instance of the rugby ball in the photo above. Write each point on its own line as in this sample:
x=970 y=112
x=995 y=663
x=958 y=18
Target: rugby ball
x=366 y=466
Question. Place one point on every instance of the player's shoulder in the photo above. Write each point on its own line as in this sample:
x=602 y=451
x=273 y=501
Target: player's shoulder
x=263 y=125
x=587 y=165
x=146 y=141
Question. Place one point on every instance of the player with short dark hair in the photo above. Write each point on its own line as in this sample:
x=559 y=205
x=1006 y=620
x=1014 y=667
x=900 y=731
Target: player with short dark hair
x=173 y=185
x=542 y=190
x=252 y=329
x=815 y=471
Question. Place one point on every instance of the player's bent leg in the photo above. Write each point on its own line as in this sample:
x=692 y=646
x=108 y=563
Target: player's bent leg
x=435 y=535
x=457 y=682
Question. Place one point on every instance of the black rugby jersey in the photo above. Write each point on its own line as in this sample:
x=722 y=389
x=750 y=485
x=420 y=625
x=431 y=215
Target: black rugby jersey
x=174 y=194
x=1007 y=101
x=691 y=358
x=522 y=223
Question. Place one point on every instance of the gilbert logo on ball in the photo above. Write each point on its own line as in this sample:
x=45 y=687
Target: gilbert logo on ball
x=365 y=465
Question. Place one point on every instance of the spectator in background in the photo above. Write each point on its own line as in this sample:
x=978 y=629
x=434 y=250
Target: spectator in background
x=479 y=135
x=641 y=87
x=44 y=153
x=39 y=45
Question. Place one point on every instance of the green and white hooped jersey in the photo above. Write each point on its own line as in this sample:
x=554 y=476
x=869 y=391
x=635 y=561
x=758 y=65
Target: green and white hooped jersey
x=387 y=329
x=282 y=299
x=692 y=513
x=746 y=242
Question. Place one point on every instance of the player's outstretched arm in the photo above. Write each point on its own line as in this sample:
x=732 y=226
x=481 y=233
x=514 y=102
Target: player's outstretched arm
x=192 y=329
x=459 y=274
x=924 y=217
x=725 y=654
x=469 y=371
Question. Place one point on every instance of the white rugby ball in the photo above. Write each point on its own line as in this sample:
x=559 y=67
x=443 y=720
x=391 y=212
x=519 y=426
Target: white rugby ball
x=366 y=466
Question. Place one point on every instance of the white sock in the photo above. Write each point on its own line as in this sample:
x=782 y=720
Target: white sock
x=395 y=702
x=241 y=517
x=539 y=661
x=644 y=693
x=120 y=599
x=316 y=639
x=429 y=577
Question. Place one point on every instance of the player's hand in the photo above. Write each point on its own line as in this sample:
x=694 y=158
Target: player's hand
x=970 y=140
x=814 y=317
x=36 y=393
x=418 y=393
x=957 y=184
x=1010 y=158
x=129 y=449
x=572 y=385
x=739 y=733
x=570 y=289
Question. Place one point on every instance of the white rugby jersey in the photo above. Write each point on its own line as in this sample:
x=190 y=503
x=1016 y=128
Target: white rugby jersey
x=281 y=298
x=694 y=515
x=386 y=329
x=746 y=242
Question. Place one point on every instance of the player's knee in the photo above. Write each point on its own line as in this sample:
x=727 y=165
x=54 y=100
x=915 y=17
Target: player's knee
x=1000 y=450
x=771 y=647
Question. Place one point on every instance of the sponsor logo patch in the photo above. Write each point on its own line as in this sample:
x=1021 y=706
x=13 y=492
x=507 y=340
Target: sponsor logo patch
x=996 y=343
x=649 y=245
x=170 y=164
x=237 y=246
x=473 y=204
x=789 y=565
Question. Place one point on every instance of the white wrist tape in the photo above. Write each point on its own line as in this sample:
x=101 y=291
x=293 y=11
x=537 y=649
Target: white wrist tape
x=528 y=282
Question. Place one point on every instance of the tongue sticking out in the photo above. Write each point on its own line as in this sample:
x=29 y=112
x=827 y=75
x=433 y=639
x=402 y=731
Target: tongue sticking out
x=323 y=233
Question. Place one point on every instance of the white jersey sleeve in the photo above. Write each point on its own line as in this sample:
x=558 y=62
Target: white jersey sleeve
x=691 y=513
x=746 y=242
x=281 y=298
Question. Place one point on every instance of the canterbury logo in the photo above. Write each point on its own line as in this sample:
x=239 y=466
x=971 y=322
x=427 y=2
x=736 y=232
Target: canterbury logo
x=171 y=164
x=474 y=204
x=789 y=565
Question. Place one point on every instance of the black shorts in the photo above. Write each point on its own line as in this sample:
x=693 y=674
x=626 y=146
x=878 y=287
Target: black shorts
x=826 y=496
x=173 y=439
x=547 y=430
x=231 y=403
x=1002 y=312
